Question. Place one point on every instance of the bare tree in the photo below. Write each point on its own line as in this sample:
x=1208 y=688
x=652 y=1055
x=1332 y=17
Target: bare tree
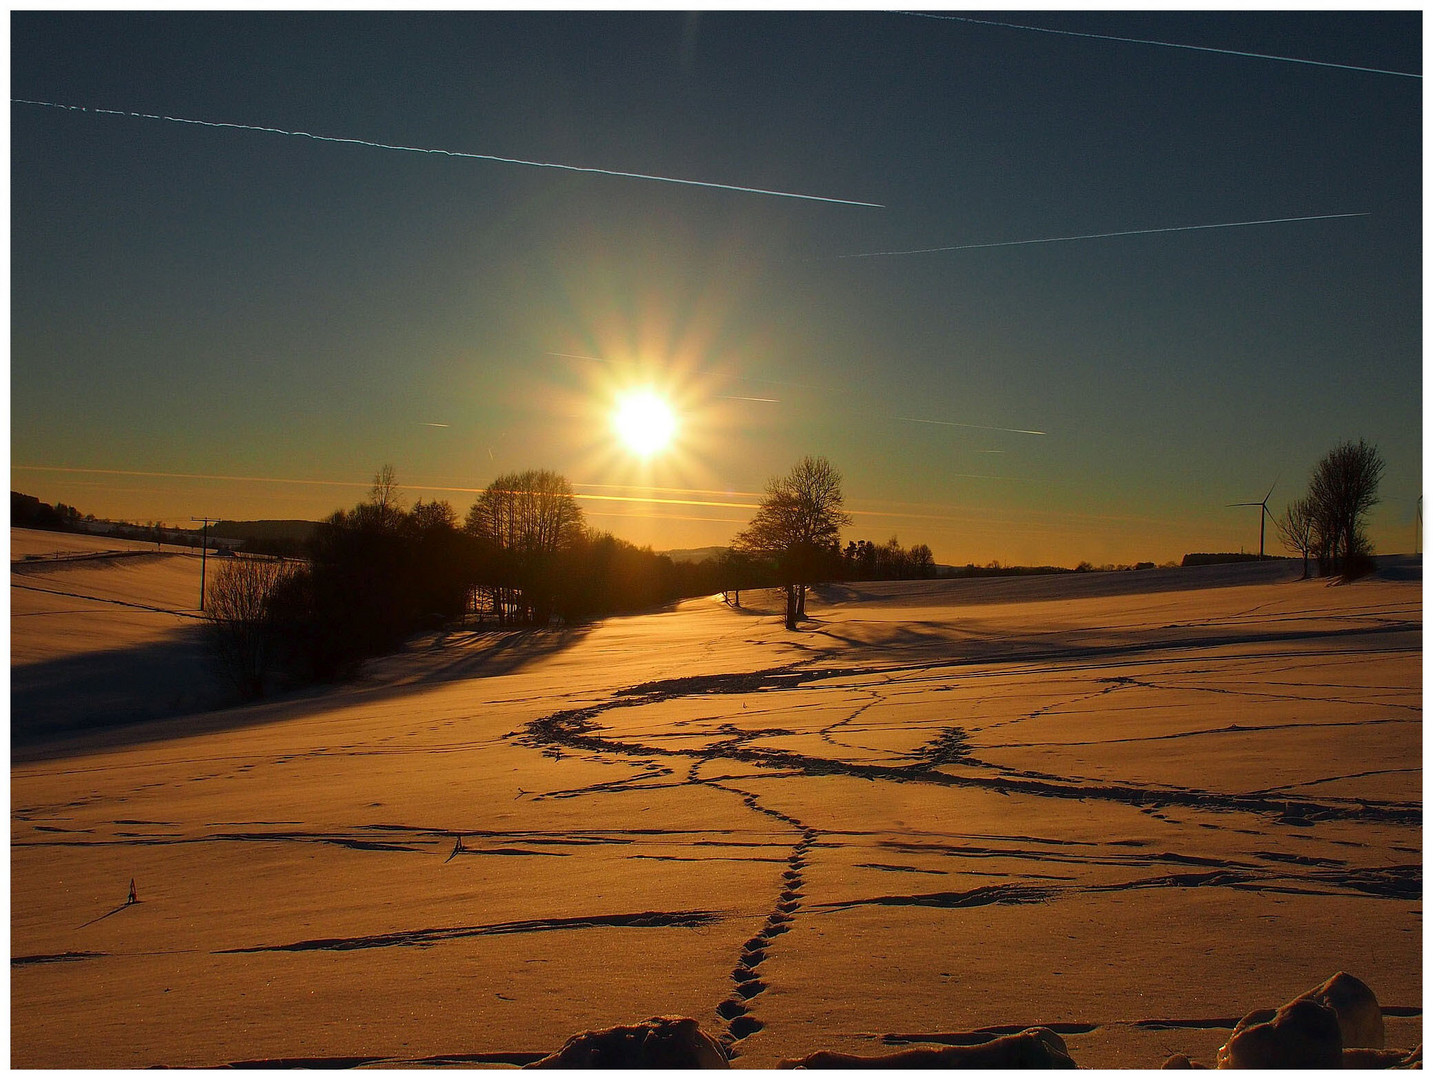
x=438 y=514
x=1298 y=529
x=525 y=518
x=383 y=512
x=384 y=493
x=528 y=511
x=798 y=523
x=1344 y=488
x=922 y=561
x=239 y=610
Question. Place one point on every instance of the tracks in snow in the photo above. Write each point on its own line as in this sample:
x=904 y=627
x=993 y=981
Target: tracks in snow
x=736 y=1010
x=576 y=729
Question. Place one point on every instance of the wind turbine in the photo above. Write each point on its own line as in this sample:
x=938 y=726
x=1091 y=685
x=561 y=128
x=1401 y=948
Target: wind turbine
x=1263 y=513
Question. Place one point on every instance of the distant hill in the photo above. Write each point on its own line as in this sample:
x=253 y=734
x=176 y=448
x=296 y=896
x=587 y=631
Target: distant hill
x=266 y=530
x=693 y=555
x=269 y=537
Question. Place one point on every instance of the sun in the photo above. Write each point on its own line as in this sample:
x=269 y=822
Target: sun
x=644 y=422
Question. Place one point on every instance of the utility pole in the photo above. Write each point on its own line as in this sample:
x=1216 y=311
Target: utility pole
x=203 y=555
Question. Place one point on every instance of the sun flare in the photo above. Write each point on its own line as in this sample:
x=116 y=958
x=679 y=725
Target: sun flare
x=644 y=422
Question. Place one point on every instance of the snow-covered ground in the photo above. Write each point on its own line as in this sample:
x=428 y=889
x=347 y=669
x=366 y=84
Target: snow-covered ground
x=1128 y=806
x=103 y=630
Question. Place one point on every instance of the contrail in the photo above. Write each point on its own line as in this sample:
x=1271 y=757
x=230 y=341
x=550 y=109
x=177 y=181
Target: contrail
x=674 y=490
x=978 y=427
x=447 y=153
x=652 y=500
x=1165 y=44
x=726 y=500
x=805 y=386
x=698 y=371
x=1101 y=236
x=190 y=476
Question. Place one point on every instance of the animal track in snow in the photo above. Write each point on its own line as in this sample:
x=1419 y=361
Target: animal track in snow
x=435 y=935
x=748 y=984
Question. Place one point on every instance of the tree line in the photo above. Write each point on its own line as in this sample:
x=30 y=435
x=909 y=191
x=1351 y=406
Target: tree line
x=865 y=561
x=28 y=512
x=523 y=555
x=375 y=574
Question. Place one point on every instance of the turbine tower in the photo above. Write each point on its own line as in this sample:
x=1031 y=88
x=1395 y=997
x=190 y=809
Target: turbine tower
x=1263 y=506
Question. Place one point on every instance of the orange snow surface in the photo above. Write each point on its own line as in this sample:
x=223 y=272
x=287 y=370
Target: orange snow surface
x=1131 y=807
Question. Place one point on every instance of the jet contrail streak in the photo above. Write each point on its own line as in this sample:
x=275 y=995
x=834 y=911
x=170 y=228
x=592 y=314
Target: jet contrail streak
x=650 y=500
x=675 y=491
x=727 y=501
x=699 y=371
x=446 y=153
x=804 y=386
x=978 y=427
x=1165 y=44
x=665 y=517
x=1101 y=236
x=191 y=476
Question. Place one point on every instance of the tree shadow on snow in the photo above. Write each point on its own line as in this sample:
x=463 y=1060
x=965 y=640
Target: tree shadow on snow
x=173 y=688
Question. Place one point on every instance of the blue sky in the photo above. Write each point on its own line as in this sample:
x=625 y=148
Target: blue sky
x=234 y=322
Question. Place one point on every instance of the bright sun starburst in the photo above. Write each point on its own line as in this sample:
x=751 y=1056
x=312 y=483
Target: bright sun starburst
x=644 y=422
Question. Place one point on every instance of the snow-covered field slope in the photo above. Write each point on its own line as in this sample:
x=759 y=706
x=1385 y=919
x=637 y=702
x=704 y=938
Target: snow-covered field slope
x=32 y=544
x=101 y=630
x=1129 y=806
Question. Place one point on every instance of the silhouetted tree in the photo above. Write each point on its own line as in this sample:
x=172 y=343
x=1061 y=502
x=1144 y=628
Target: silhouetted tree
x=440 y=564
x=865 y=561
x=376 y=574
x=598 y=574
x=526 y=519
x=737 y=570
x=384 y=498
x=1344 y=488
x=798 y=524
x=922 y=561
x=438 y=514
x=1298 y=529
x=243 y=627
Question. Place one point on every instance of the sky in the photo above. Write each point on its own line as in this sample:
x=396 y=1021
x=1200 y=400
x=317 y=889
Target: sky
x=1046 y=287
